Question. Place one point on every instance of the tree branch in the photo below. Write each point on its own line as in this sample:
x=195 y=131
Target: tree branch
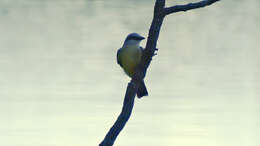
x=189 y=6
x=123 y=117
x=159 y=14
x=138 y=76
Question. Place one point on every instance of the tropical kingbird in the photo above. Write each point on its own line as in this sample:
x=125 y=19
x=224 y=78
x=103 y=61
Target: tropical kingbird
x=129 y=56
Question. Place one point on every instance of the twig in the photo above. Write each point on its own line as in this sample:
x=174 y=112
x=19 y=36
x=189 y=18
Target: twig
x=189 y=6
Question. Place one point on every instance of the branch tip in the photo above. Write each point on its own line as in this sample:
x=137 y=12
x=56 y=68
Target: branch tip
x=190 y=6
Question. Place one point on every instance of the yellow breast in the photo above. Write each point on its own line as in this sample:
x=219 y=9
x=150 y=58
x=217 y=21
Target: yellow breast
x=131 y=56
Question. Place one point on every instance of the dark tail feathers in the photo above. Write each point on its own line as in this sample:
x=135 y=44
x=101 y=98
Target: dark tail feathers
x=142 y=91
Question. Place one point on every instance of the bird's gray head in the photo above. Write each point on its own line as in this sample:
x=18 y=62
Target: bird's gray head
x=133 y=39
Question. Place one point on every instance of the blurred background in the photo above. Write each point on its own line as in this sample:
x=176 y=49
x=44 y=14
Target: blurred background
x=60 y=84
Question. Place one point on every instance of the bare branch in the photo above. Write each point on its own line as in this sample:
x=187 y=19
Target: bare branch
x=159 y=14
x=123 y=117
x=190 y=6
x=138 y=76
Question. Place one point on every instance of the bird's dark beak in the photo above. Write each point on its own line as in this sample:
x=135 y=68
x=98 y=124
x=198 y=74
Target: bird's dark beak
x=141 y=38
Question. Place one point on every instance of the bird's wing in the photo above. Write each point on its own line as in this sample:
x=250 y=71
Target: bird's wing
x=118 y=58
x=142 y=48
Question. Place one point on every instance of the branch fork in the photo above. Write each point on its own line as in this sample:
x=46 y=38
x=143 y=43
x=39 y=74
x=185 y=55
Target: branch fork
x=160 y=11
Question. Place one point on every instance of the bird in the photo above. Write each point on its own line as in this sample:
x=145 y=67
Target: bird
x=129 y=56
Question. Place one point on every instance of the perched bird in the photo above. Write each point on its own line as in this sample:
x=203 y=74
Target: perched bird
x=129 y=56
